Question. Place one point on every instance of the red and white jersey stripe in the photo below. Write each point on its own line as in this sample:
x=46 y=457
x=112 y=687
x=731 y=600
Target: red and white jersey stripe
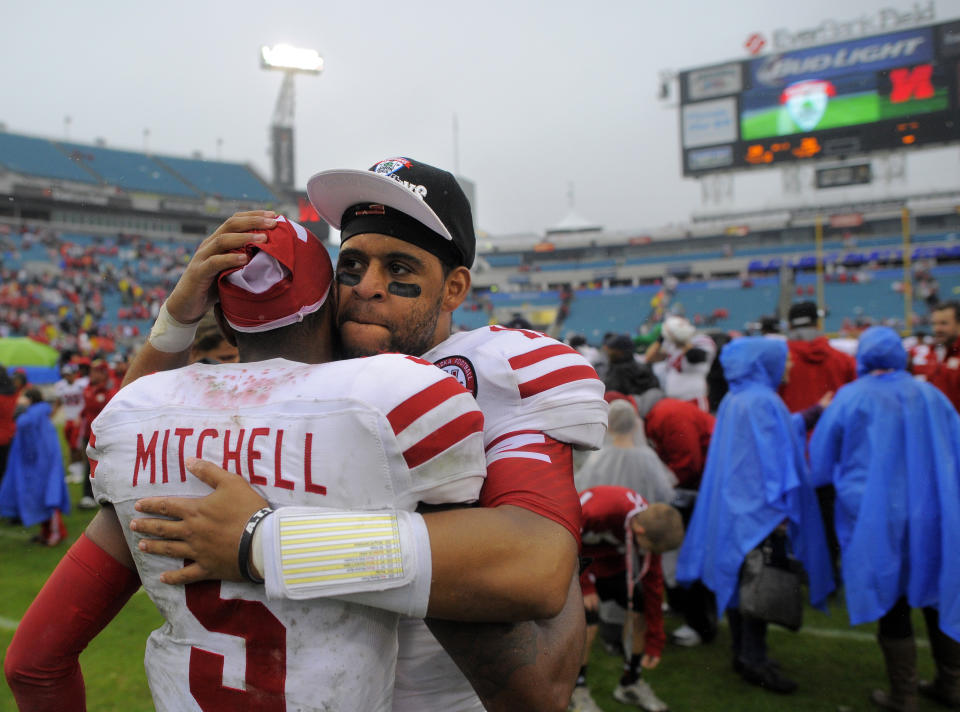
x=524 y=381
x=433 y=420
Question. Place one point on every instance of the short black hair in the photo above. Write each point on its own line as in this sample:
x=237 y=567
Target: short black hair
x=952 y=304
x=273 y=339
x=33 y=395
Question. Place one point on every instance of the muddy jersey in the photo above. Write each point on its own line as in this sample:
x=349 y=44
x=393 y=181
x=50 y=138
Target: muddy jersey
x=379 y=433
x=538 y=398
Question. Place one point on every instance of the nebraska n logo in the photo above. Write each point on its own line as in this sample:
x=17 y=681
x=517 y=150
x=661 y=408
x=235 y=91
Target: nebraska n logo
x=907 y=84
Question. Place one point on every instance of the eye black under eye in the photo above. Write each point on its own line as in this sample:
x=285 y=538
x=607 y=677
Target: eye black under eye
x=347 y=279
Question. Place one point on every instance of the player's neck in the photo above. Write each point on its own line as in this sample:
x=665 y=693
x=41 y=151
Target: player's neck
x=442 y=332
x=304 y=353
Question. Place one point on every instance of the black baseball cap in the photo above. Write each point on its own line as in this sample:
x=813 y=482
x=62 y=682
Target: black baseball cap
x=620 y=342
x=349 y=200
x=803 y=314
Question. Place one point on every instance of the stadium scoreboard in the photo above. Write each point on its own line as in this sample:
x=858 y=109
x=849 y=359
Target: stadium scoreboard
x=895 y=90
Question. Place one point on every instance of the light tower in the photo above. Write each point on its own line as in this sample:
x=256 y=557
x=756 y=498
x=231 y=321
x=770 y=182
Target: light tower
x=290 y=61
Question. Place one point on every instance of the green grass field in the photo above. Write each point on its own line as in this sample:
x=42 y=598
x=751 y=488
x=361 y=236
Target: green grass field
x=841 y=111
x=835 y=665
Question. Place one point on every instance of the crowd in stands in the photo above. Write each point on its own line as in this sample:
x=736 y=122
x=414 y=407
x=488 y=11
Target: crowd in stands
x=85 y=296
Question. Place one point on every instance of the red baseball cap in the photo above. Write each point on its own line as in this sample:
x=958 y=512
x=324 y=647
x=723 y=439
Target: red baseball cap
x=287 y=277
x=611 y=396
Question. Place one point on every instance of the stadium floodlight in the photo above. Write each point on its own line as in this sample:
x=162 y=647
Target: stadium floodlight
x=287 y=58
x=291 y=61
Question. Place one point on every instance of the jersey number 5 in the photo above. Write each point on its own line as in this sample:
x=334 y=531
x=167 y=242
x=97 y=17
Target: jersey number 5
x=266 y=644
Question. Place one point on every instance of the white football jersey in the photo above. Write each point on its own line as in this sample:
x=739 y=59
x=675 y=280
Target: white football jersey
x=71 y=397
x=684 y=380
x=523 y=381
x=378 y=433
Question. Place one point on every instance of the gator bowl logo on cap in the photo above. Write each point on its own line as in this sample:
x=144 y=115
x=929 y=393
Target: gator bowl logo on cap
x=391 y=166
x=807 y=101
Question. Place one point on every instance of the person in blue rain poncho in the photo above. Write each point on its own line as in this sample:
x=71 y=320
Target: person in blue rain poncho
x=891 y=446
x=755 y=488
x=34 y=488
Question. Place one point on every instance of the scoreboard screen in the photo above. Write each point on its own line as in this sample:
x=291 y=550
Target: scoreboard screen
x=874 y=93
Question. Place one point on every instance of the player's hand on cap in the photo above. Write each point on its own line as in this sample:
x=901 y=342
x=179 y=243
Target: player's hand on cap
x=204 y=529
x=195 y=292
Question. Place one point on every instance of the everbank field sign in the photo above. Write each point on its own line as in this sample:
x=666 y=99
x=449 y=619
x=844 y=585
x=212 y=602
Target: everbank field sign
x=885 y=19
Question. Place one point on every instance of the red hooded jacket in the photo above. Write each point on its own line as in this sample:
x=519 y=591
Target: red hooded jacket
x=817 y=368
x=946 y=374
x=680 y=433
x=8 y=404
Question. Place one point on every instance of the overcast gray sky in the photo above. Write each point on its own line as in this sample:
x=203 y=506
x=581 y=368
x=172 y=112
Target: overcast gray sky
x=546 y=93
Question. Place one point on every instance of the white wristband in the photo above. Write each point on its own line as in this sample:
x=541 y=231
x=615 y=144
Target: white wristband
x=380 y=559
x=256 y=550
x=169 y=335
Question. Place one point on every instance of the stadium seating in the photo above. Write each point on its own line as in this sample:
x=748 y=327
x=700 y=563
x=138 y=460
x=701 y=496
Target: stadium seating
x=131 y=170
x=128 y=170
x=730 y=304
x=593 y=312
x=224 y=180
x=510 y=260
x=40 y=157
x=466 y=318
x=862 y=295
x=740 y=304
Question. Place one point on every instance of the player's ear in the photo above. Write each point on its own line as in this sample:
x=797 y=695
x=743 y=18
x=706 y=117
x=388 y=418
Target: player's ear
x=228 y=333
x=455 y=288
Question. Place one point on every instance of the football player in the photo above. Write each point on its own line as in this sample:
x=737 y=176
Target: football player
x=407 y=242
x=378 y=435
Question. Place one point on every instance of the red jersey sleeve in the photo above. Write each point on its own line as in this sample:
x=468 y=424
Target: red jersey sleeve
x=86 y=590
x=533 y=471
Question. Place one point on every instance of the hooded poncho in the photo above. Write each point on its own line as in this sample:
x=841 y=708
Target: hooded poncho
x=636 y=468
x=891 y=446
x=755 y=478
x=35 y=482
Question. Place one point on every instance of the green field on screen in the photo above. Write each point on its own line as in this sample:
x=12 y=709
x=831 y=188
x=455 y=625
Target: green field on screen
x=849 y=110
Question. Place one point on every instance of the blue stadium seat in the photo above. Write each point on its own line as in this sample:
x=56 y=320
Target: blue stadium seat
x=40 y=157
x=594 y=312
x=129 y=170
x=468 y=319
x=495 y=260
x=224 y=180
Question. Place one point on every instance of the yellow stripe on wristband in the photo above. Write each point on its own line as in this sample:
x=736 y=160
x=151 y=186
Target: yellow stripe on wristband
x=330 y=549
